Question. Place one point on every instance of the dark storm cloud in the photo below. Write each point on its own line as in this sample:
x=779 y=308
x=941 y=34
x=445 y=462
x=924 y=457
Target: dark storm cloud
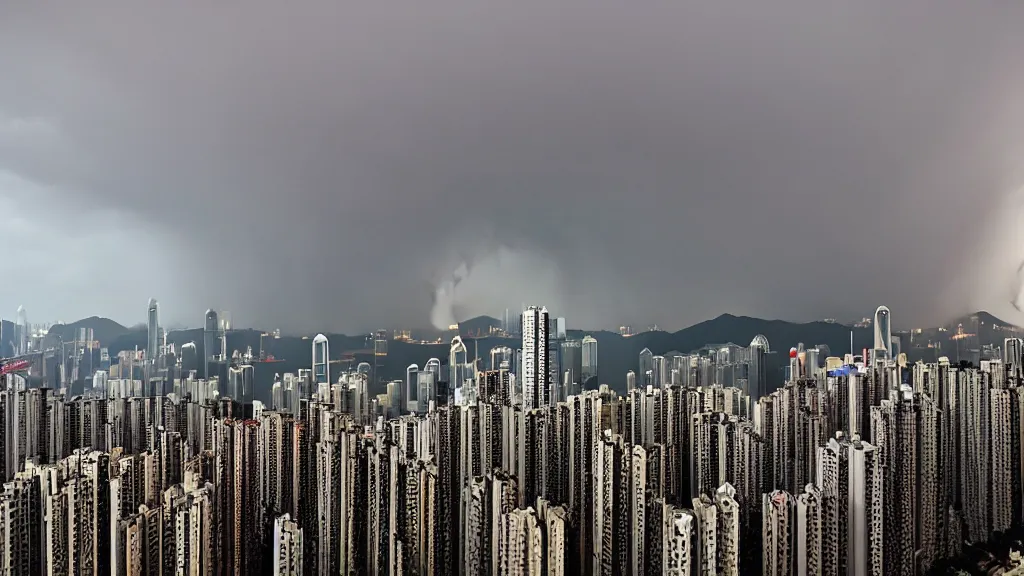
x=330 y=164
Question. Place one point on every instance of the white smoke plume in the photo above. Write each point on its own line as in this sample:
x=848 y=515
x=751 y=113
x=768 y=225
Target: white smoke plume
x=493 y=280
x=993 y=280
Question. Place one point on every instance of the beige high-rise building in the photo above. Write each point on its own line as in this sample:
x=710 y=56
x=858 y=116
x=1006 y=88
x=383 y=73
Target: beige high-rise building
x=681 y=543
x=526 y=544
x=194 y=533
x=777 y=536
x=728 y=532
x=287 y=547
x=637 y=496
x=276 y=462
x=141 y=542
x=555 y=525
x=21 y=526
x=809 y=532
x=851 y=486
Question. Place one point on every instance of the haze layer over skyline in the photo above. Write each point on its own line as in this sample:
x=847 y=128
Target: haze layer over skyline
x=332 y=166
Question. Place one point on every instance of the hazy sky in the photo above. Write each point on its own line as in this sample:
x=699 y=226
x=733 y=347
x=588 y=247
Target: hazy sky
x=327 y=165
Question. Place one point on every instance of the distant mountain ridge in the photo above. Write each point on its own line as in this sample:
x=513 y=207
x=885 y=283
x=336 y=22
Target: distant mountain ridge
x=616 y=354
x=104 y=330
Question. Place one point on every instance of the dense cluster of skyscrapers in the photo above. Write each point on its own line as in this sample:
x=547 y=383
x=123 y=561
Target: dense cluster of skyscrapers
x=858 y=465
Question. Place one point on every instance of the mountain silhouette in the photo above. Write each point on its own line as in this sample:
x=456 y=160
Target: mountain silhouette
x=104 y=330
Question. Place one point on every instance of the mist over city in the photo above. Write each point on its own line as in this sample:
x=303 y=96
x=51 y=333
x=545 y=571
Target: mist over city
x=706 y=153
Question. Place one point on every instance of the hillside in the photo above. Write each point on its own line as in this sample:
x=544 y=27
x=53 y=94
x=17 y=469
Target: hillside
x=479 y=326
x=104 y=329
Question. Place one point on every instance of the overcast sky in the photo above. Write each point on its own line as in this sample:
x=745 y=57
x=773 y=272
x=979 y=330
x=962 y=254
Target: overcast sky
x=333 y=165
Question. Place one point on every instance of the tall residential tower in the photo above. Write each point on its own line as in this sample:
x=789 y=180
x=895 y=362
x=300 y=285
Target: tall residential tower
x=535 y=358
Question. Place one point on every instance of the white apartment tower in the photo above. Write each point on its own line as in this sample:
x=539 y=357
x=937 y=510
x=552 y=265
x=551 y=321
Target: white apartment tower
x=535 y=357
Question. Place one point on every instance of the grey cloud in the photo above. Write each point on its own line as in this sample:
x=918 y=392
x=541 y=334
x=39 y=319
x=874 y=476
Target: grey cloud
x=329 y=165
x=62 y=267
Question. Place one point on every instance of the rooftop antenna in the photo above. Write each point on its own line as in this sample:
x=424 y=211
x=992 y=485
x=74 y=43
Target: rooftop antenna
x=851 y=342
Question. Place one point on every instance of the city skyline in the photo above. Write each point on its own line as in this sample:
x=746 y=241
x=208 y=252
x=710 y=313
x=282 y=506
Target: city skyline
x=20 y=318
x=968 y=338
x=453 y=288
x=166 y=464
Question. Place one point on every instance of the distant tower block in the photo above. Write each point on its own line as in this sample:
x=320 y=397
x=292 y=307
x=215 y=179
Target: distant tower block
x=380 y=352
x=457 y=358
x=22 y=331
x=757 y=377
x=211 y=344
x=883 y=333
x=153 y=331
x=321 y=360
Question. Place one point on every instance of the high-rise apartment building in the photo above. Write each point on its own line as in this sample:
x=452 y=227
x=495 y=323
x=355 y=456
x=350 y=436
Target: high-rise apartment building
x=534 y=379
x=908 y=430
x=809 y=532
x=849 y=472
x=287 y=547
x=778 y=536
x=21 y=521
